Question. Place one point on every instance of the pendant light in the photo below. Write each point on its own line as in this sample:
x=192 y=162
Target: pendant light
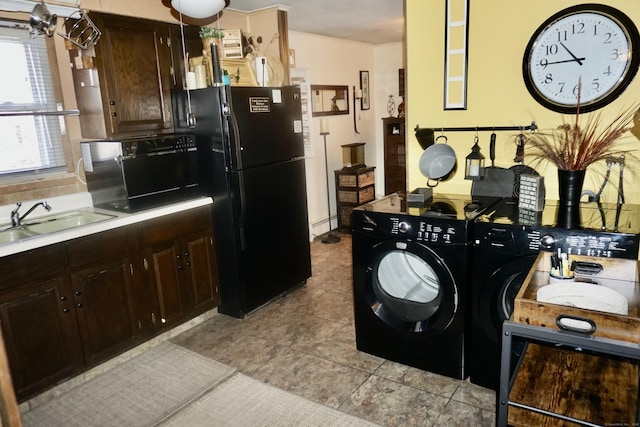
x=198 y=9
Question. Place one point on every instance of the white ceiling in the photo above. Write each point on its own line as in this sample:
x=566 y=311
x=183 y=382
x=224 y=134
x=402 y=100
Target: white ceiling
x=367 y=21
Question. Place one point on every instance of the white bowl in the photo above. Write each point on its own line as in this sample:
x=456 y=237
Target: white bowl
x=584 y=295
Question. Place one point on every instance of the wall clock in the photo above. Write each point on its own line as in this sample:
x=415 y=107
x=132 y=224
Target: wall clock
x=592 y=47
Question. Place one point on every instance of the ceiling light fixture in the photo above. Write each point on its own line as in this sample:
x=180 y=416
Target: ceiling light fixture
x=198 y=9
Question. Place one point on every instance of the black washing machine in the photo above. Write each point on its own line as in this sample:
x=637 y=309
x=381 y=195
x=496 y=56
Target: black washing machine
x=411 y=280
x=506 y=243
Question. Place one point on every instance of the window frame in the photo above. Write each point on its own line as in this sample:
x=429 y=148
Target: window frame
x=47 y=180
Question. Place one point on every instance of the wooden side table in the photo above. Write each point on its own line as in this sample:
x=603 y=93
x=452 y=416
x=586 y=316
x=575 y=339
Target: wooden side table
x=560 y=376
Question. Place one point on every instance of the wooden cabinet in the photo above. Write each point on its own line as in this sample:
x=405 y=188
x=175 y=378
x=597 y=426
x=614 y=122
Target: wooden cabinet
x=103 y=292
x=123 y=85
x=180 y=260
x=395 y=164
x=38 y=320
x=353 y=187
x=67 y=307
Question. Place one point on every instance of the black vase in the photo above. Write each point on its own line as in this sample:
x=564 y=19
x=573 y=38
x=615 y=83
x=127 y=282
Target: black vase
x=570 y=189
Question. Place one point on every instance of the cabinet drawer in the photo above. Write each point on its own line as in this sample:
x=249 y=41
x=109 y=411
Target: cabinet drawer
x=358 y=197
x=359 y=178
x=110 y=244
x=344 y=215
x=367 y=178
x=173 y=226
x=19 y=268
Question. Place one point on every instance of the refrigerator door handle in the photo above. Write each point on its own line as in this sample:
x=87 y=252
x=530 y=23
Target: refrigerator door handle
x=242 y=212
x=233 y=130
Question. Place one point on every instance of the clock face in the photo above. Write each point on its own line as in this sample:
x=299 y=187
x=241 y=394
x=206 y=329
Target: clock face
x=588 y=51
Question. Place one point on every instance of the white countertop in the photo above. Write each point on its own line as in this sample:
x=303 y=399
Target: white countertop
x=120 y=219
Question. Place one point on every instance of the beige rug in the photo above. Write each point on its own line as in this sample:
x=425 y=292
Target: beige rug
x=172 y=386
x=139 y=392
x=242 y=401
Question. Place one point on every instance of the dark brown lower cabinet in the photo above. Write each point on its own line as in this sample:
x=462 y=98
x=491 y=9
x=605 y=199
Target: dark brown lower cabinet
x=103 y=298
x=180 y=260
x=38 y=320
x=67 y=307
x=102 y=280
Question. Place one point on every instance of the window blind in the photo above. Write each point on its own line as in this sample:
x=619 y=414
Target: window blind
x=29 y=143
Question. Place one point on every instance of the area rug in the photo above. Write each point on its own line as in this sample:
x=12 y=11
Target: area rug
x=241 y=401
x=140 y=392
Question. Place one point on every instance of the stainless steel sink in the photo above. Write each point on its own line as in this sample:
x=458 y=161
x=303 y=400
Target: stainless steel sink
x=65 y=221
x=15 y=234
x=51 y=224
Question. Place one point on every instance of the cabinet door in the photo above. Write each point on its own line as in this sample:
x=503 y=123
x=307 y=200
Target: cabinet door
x=165 y=265
x=103 y=298
x=192 y=47
x=394 y=155
x=41 y=334
x=200 y=271
x=134 y=61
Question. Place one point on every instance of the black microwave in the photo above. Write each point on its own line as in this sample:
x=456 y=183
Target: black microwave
x=141 y=173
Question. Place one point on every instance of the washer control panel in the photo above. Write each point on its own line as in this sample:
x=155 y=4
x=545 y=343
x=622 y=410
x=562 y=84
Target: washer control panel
x=596 y=244
x=526 y=240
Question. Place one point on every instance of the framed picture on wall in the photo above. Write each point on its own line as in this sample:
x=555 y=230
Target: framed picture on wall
x=365 y=101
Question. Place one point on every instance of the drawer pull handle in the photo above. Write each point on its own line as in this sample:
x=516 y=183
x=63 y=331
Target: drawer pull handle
x=576 y=324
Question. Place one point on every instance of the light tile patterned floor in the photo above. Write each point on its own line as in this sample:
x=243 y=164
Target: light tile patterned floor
x=305 y=343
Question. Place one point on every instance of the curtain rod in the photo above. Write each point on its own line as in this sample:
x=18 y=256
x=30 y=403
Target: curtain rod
x=40 y=113
x=532 y=127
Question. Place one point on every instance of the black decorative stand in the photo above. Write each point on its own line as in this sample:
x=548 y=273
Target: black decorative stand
x=330 y=237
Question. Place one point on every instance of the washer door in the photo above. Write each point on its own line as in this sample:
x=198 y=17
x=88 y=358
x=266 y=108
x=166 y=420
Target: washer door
x=498 y=295
x=409 y=287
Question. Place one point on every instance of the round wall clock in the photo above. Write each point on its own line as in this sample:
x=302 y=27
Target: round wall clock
x=590 y=51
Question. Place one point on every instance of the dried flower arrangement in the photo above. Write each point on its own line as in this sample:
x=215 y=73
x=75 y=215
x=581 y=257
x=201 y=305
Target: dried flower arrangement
x=576 y=146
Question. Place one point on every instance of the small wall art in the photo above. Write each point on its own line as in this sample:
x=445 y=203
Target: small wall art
x=365 y=101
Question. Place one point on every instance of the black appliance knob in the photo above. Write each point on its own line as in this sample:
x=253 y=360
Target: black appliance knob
x=403 y=227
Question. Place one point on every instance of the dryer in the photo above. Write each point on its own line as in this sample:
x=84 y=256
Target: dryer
x=411 y=280
x=506 y=243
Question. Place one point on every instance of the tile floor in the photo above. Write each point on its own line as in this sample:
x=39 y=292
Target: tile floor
x=305 y=343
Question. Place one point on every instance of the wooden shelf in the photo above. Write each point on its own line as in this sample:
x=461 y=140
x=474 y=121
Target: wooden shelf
x=596 y=389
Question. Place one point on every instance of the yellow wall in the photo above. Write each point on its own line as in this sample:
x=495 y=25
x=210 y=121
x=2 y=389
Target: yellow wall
x=499 y=31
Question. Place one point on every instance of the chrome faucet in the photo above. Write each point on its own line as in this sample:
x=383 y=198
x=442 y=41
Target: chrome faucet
x=16 y=219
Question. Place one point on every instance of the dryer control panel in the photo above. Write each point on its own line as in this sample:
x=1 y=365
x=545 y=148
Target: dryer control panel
x=429 y=231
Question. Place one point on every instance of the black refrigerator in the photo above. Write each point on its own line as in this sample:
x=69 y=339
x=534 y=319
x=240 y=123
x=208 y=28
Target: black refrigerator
x=251 y=151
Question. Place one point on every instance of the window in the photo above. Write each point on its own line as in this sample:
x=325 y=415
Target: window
x=28 y=143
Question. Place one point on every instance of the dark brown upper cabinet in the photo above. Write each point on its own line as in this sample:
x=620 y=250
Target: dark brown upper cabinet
x=123 y=85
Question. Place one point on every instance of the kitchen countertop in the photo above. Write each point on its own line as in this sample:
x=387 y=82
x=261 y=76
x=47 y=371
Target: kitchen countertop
x=120 y=219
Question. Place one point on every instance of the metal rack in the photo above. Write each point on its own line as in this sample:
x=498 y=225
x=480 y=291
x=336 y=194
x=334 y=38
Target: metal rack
x=532 y=127
x=39 y=113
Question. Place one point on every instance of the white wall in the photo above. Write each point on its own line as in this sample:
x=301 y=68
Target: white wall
x=389 y=58
x=332 y=61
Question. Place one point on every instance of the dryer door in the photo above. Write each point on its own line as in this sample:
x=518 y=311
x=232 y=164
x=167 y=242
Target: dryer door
x=409 y=287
